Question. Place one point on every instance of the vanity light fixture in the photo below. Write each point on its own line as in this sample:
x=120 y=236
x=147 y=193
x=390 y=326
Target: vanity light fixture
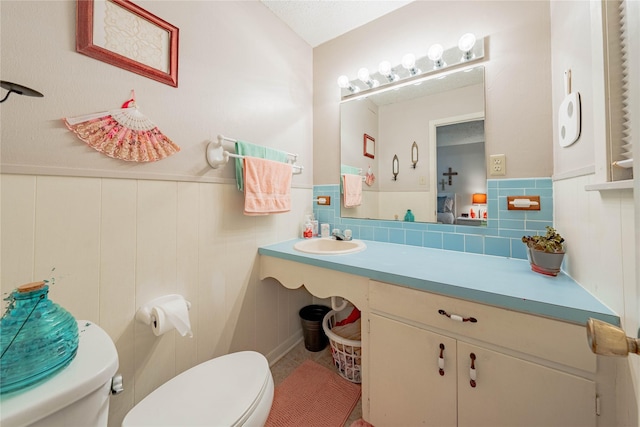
x=19 y=89
x=465 y=44
x=409 y=62
x=413 y=69
x=435 y=54
x=385 y=69
x=363 y=75
x=343 y=82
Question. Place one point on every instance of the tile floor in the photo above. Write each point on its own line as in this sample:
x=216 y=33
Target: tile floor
x=283 y=367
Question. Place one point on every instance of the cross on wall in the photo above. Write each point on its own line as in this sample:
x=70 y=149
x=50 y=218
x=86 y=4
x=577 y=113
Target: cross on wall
x=450 y=174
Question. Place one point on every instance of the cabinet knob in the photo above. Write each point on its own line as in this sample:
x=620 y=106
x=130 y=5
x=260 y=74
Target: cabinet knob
x=472 y=370
x=441 y=360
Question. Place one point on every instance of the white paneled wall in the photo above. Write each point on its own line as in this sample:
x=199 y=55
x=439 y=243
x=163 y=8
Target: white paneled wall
x=114 y=244
x=598 y=227
x=600 y=245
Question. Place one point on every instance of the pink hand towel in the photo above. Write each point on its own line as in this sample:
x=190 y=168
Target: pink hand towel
x=267 y=186
x=352 y=190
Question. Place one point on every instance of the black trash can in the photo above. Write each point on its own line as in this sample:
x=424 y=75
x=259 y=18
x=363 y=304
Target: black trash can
x=311 y=318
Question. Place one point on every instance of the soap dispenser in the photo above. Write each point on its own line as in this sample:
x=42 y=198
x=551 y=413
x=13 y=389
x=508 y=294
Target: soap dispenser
x=307 y=229
x=314 y=226
x=408 y=217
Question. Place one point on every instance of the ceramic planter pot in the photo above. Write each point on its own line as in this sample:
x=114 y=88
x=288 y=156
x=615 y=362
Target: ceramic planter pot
x=548 y=263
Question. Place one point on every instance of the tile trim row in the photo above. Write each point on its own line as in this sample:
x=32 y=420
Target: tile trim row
x=501 y=236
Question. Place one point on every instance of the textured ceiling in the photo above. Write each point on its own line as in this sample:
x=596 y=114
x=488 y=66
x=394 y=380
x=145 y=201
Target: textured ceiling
x=318 y=21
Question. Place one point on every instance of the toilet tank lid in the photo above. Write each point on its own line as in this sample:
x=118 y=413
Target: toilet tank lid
x=94 y=365
x=220 y=391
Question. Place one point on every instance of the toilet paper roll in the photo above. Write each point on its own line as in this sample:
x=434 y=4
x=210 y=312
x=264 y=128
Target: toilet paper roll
x=170 y=315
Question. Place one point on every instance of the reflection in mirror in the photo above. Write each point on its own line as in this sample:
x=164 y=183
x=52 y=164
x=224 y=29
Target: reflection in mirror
x=395 y=167
x=369 y=146
x=460 y=159
x=422 y=113
x=414 y=155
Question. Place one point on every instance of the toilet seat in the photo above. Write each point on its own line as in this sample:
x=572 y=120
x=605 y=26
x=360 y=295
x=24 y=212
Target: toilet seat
x=224 y=391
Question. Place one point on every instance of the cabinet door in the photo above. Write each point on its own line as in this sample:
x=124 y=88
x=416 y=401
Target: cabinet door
x=514 y=392
x=406 y=387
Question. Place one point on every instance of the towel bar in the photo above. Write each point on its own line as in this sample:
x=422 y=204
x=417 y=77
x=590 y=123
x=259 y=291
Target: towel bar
x=222 y=138
x=364 y=178
x=218 y=156
x=350 y=170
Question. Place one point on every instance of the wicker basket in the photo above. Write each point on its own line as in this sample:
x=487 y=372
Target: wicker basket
x=347 y=354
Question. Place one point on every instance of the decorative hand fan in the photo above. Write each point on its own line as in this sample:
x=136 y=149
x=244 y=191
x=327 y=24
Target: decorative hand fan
x=369 y=178
x=124 y=134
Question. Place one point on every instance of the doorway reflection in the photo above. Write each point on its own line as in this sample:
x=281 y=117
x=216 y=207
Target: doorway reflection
x=461 y=169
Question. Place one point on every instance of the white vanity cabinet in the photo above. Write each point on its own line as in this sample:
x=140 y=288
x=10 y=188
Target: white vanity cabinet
x=528 y=370
x=533 y=365
x=405 y=386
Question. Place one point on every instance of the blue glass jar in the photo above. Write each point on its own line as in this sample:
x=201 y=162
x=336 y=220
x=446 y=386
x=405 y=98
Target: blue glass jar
x=409 y=216
x=37 y=338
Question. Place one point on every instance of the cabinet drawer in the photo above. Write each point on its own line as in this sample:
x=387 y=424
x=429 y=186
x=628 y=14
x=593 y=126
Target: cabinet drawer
x=553 y=340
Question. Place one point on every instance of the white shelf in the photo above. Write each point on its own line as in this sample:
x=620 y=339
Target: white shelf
x=613 y=185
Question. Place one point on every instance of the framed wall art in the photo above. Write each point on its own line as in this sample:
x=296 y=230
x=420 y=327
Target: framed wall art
x=123 y=34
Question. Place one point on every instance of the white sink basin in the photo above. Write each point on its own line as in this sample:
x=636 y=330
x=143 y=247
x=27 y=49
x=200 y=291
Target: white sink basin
x=329 y=246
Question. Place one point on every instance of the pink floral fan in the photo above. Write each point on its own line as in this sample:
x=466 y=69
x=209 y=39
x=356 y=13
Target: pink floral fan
x=370 y=178
x=124 y=134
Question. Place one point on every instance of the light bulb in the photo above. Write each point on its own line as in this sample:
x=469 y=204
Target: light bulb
x=409 y=61
x=363 y=75
x=466 y=43
x=344 y=83
x=384 y=68
x=435 y=52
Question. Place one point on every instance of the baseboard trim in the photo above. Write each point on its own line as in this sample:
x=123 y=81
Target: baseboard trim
x=280 y=351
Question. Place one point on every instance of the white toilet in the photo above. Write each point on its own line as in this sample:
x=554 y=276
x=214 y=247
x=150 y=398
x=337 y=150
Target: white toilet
x=78 y=395
x=231 y=390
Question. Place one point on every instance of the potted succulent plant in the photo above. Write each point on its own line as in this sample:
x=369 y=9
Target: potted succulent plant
x=545 y=252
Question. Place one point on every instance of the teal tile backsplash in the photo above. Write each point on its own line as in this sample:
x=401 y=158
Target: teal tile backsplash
x=501 y=236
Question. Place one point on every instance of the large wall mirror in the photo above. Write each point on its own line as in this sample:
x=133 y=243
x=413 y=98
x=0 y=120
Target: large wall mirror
x=436 y=130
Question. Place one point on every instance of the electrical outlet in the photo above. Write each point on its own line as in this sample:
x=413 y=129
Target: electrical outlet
x=497 y=164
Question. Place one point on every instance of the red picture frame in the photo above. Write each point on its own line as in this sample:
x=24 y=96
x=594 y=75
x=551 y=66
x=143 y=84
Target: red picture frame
x=369 y=149
x=85 y=37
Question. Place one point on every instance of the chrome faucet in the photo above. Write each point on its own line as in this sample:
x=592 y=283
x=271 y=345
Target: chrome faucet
x=341 y=236
x=338 y=235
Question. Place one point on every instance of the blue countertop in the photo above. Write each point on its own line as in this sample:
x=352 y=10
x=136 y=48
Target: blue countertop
x=502 y=282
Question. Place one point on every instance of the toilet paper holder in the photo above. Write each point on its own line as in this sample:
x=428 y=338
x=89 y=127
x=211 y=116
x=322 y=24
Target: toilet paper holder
x=144 y=312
